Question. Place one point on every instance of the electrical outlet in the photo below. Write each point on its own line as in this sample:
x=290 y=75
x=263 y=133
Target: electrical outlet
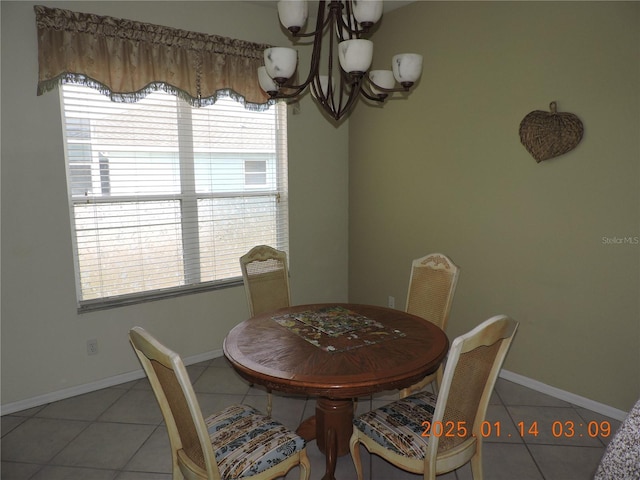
x=391 y=302
x=92 y=347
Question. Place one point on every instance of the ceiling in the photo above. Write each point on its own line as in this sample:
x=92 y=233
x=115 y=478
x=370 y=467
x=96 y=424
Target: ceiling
x=389 y=5
x=393 y=4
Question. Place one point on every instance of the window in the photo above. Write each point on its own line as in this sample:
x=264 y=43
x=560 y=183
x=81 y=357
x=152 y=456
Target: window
x=255 y=172
x=164 y=197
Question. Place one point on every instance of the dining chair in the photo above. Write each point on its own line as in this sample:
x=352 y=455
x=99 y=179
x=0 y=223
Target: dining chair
x=432 y=285
x=237 y=442
x=266 y=279
x=266 y=283
x=436 y=433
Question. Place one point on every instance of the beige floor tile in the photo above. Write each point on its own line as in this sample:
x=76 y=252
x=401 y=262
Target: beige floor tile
x=104 y=445
x=345 y=469
x=513 y=394
x=554 y=425
x=135 y=406
x=154 y=455
x=73 y=473
x=502 y=461
x=604 y=426
x=18 y=471
x=83 y=407
x=211 y=403
x=499 y=427
x=129 y=442
x=38 y=440
x=9 y=422
x=142 y=476
x=220 y=380
x=566 y=462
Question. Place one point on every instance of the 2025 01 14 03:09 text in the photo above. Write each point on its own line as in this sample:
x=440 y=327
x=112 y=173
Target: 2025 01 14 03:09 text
x=566 y=429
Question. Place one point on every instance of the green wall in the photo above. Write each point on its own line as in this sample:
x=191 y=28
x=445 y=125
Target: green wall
x=445 y=171
x=43 y=337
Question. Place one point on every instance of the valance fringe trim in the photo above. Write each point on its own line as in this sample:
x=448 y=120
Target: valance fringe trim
x=133 y=97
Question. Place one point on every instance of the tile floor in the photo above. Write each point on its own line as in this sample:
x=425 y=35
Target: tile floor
x=117 y=434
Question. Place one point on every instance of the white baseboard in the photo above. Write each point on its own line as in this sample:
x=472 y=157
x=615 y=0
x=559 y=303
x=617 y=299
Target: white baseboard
x=572 y=398
x=93 y=386
x=138 y=374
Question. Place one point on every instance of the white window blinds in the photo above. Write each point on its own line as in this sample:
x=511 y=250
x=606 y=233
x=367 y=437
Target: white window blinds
x=165 y=197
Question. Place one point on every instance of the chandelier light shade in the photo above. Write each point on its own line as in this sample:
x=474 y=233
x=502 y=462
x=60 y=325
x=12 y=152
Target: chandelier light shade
x=383 y=78
x=266 y=82
x=355 y=55
x=407 y=68
x=293 y=14
x=340 y=60
x=280 y=63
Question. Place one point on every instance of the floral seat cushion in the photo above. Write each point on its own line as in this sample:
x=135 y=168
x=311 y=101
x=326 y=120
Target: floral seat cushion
x=246 y=442
x=398 y=425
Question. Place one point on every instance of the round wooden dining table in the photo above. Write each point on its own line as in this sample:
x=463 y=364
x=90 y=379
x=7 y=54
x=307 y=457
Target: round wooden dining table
x=335 y=352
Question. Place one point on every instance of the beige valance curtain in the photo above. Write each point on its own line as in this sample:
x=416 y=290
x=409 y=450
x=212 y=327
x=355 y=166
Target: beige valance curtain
x=127 y=59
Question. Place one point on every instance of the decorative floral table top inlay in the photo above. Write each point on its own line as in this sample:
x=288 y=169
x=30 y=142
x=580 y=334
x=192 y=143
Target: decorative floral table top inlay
x=337 y=329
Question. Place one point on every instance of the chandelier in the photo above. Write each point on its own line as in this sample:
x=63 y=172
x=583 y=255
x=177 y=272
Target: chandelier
x=336 y=89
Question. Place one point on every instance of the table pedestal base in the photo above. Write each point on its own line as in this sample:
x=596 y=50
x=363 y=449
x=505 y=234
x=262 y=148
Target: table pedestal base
x=331 y=427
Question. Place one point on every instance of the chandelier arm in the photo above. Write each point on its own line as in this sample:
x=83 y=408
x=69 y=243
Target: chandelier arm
x=315 y=90
x=280 y=94
x=356 y=88
x=326 y=99
x=330 y=104
x=403 y=88
x=372 y=96
x=343 y=93
x=356 y=30
x=321 y=23
x=315 y=57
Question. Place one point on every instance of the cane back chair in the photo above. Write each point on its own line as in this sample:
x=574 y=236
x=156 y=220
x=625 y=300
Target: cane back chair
x=432 y=285
x=266 y=283
x=237 y=442
x=266 y=279
x=434 y=434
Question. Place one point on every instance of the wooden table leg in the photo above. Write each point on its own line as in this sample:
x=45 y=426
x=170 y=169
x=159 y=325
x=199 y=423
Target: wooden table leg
x=330 y=459
x=333 y=430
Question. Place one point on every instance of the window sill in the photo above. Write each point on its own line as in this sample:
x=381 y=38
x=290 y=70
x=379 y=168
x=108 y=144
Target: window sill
x=144 y=297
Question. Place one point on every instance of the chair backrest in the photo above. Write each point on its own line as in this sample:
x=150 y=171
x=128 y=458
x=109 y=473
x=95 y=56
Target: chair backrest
x=473 y=364
x=266 y=279
x=431 y=287
x=191 y=448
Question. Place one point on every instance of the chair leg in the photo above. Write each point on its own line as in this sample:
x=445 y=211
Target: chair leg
x=354 y=447
x=305 y=466
x=405 y=392
x=438 y=382
x=269 y=403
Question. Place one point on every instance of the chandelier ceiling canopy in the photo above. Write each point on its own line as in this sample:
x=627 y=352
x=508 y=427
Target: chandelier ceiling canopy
x=339 y=75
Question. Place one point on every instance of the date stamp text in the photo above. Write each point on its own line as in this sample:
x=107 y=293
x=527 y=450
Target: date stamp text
x=559 y=429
